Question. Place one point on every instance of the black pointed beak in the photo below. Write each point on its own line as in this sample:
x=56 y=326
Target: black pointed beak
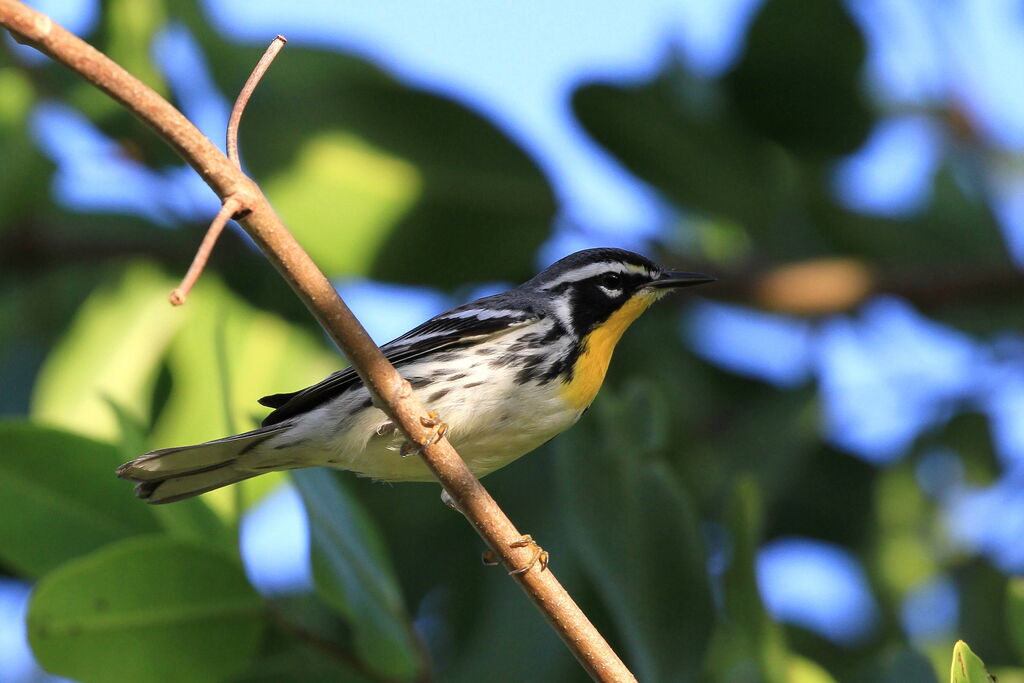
x=670 y=279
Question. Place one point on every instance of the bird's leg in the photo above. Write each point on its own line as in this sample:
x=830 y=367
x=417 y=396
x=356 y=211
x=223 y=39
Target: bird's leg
x=540 y=556
x=431 y=420
x=449 y=501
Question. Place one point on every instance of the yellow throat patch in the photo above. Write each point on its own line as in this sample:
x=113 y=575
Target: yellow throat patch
x=598 y=345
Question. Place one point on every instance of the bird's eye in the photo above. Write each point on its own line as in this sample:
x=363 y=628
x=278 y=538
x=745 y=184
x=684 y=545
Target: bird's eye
x=612 y=281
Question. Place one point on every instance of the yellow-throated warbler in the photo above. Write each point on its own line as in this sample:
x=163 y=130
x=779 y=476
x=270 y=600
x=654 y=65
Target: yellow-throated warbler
x=506 y=373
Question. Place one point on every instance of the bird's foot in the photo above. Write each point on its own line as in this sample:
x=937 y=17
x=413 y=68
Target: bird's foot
x=540 y=556
x=431 y=420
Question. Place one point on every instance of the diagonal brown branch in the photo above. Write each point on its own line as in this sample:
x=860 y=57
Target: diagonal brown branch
x=391 y=393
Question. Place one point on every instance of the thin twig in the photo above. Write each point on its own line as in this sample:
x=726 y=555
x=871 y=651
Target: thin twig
x=229 y=209
x=243 y=97
x=390 y=392
x=231 y=205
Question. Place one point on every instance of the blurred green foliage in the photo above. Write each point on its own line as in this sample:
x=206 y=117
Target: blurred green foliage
x=379 y=179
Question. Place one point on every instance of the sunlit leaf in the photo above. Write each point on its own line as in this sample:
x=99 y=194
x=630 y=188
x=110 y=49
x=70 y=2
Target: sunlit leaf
x=352 y=574
x=187 y=519
x=59 y=498
x=801 y=670
x=110 y=352
x=341 y=191
x=146 y=609
x=967 y=667
x=227 y=357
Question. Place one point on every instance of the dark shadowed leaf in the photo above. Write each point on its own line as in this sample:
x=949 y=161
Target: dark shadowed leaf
x=59 y=498
x=146 y=609
x=674 y=135
x=422 y=188
x=636 y=531
x=748 y=644
x=899 y=665
x=799 y=79
x=352 y=573
x=22 y=170
x=1015 y=614
x=952 y=233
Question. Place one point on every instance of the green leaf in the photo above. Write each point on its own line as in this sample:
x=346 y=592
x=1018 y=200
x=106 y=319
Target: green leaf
x=801 y=670
x=747 y=640
x=898 y=664
x=111 y=352
x=146 y=609
x=23 y=170
x=1015 y=614
x=636 y=532
x=353 y=575
x=367 y=191
x=188 y=519
x=967 y=667
x=798 y=81
x=228 y=356
x=933 y=240
x=739 y=176
x=130 y=26
x=442 y=185
x=59 y=498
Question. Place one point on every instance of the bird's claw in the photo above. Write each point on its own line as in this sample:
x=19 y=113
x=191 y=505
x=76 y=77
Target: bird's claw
x=540 y=556
x=430 y=420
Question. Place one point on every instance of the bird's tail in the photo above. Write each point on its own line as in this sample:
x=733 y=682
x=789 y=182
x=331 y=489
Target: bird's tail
x=173 y=474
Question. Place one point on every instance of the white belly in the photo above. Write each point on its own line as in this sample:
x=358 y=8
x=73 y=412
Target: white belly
x=490 y=425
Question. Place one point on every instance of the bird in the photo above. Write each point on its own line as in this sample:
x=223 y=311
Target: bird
x=506 y=373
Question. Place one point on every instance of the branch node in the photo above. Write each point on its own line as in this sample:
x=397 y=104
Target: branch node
x=402 y=391
x=231 y=207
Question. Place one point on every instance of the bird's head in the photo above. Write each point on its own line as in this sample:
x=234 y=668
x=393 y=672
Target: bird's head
x=595 y=288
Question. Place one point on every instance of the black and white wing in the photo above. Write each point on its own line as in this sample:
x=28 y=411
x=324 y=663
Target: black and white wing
x=458 y=328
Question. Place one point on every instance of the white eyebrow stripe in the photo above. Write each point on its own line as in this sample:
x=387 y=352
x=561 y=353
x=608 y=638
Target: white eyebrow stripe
x=592 y=269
